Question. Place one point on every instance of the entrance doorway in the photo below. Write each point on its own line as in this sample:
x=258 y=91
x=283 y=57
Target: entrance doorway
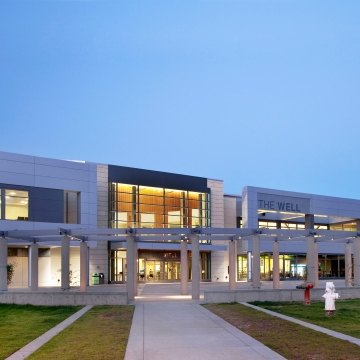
x=118 y=272
x=155 y=270
x=155 y=266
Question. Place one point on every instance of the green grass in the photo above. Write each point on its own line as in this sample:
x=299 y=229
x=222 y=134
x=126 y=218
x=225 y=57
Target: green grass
x=20 y=324
x=346 y=319
x=292 y=341
x=102 y=333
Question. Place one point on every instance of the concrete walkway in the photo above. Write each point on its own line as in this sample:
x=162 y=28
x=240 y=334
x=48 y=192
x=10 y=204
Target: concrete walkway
x=185 y=330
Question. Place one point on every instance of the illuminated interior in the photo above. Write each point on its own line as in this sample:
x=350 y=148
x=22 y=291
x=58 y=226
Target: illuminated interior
x=14 y=204
x=268 y=219
x=293 y=266
x=150 y=207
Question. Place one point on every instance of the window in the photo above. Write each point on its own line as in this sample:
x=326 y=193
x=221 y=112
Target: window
x=14 y=204
x=348 y=226
x=292 y=226
x=151 y=207
x=267 y=225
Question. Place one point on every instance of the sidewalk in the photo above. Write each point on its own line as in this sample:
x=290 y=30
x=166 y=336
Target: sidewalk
x=185 y=330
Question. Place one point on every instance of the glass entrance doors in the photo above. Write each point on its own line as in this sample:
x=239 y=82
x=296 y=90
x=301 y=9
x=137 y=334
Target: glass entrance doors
x=118 y=266
x=155 y=266
x=156 y=270
x=172 y=270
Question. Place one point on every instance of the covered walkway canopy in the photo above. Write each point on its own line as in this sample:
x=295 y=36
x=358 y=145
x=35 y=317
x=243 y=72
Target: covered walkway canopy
x=188 y=238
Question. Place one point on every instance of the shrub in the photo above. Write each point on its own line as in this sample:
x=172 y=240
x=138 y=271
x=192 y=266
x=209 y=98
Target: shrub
x=10 y=272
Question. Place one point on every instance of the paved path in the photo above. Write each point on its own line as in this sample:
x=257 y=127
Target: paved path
x=185 y=330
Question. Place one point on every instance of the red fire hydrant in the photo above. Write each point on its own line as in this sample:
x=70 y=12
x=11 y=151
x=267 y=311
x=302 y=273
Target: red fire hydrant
x=308 y=286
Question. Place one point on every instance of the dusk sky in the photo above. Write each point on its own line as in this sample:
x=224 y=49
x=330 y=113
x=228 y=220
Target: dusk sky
x=255 y=92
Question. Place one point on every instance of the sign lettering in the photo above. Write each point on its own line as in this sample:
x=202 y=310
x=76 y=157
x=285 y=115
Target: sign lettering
x=283 y=203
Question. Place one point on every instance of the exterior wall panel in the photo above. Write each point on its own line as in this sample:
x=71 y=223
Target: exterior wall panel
x=219 y=259
x=98 y=256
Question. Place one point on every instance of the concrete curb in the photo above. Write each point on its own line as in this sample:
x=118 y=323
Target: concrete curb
x=308 y=325
x=44 y=338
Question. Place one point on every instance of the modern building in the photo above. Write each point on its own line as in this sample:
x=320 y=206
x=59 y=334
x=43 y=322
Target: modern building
x=45 y=195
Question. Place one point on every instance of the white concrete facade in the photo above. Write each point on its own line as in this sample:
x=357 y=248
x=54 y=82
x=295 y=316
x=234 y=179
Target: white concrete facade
x=260 y=204
x=38 y=172
x=24 y=170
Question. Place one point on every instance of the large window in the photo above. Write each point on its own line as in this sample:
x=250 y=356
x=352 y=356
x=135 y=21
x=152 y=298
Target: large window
x=347 y=226
x=288 y=225
x=150 y=207
x=14 y=204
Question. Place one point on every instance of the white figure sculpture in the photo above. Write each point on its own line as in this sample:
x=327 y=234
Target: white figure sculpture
x=330 y=297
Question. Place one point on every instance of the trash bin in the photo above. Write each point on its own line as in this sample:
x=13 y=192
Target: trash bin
x=95 y=279
x=101 y=278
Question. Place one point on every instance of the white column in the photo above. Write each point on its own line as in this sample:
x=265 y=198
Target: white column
x=84 y=268
x=232 y=264
x=65 y=263
x=184 y=267
x=3 y=264
x=311 y=248
x=316 y=264
x=249 y=267
x=356 y=250
x=310 y=260
x=348 y=264
x=256 y=261
x=195 y=284
x=34 y=266
x=131 y=255
x=276 y=265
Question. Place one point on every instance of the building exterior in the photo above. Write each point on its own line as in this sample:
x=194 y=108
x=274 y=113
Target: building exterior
x=275 y=209
x=46 y=194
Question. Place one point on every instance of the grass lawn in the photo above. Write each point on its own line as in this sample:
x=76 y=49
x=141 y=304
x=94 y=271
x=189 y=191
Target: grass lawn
x=20 y=324
x=346 y=319
x=288 y=339
x=102 y=333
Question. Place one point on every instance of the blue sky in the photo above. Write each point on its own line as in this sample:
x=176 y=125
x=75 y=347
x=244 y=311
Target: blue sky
x=254 y=92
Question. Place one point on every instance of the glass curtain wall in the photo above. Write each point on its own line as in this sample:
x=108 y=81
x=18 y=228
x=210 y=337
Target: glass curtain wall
x=150 y=207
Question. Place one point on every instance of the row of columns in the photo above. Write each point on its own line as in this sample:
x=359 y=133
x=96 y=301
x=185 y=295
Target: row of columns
x=131 y=263
x=312 y=255
x=34 y=265
x=311 y=260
